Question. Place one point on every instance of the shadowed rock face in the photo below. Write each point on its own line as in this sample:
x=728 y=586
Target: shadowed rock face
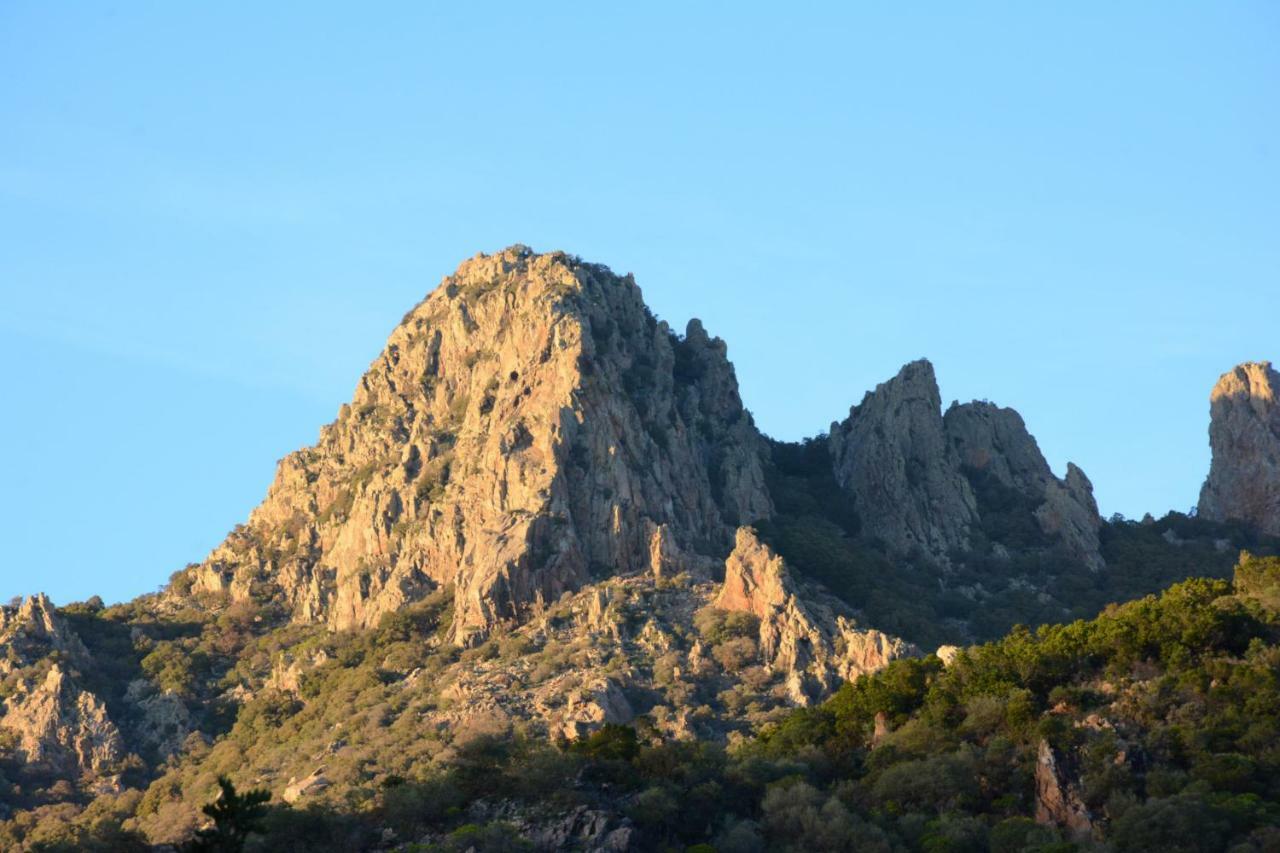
x=993 y=440
x=905 y=465
x=529 y=425
x=1244 y=434
x=891 y=454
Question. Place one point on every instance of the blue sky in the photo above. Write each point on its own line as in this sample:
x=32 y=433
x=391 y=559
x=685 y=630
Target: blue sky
x=211 y=216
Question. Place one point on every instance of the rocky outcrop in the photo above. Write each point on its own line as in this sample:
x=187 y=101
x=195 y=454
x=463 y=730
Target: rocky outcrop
x=993 y=441
x=58 y=725
x=161 y=719
x=582 y=828
x=593 y=706
x=891 y=454
x=1244 y=434
x=33 y=630
x=529 y=425
x=61 y=726
x=810 y=637
x=310 y=785
x=910 y=470
x=1059 y=799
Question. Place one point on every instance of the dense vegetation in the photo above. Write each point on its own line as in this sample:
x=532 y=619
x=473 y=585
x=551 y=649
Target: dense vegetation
x=1163 y=716
x=1027 y=580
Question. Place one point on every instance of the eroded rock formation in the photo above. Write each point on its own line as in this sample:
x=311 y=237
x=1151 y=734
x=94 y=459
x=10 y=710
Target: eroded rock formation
x=1244 y=433
x=33 y=630
x=528 y=425
x=57 y=724
x=1059 y=795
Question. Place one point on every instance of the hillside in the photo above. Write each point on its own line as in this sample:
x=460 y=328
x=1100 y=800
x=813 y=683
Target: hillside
x=543 y=575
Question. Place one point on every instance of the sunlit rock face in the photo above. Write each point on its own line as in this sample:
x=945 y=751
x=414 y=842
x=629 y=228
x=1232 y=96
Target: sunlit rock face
x=58 y=725
x=1244 y=434
x=528 y=426
x=806 y=635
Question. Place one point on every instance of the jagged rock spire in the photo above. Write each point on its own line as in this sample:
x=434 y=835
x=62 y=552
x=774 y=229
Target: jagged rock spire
x=1244 y=434
x=891 y=454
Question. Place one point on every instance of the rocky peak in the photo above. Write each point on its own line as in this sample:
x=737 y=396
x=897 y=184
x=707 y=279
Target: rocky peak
x=891 y=454
x=1244 y=434
x=909 y=470
x=528 y=426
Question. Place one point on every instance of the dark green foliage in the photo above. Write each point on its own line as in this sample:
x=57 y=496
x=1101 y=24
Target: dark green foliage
x=1164 y=711
x=234 y=815
x=610 y=743
x=1007 y=515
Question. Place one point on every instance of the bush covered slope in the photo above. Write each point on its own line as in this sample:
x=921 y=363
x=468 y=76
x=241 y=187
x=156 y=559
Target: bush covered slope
x=1155 y=726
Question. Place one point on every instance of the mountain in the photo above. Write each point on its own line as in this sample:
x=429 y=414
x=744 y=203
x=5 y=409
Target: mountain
x=545 y=535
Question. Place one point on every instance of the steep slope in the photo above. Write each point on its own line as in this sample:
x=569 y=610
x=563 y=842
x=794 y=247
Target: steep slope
x=1244 y=433
x=529 y=425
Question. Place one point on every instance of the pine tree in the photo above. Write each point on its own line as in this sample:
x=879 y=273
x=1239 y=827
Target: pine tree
x=234 y=816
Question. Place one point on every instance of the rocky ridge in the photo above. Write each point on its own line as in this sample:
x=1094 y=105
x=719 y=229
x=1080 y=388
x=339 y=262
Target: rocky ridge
x=1244 y=434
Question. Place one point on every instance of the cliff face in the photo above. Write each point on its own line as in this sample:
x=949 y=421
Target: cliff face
x=33 y=630
x=910 y=471
x=529 y=425
x=1244 y=434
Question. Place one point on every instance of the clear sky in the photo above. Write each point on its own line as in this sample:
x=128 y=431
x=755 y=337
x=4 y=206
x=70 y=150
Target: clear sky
x=211 y=216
